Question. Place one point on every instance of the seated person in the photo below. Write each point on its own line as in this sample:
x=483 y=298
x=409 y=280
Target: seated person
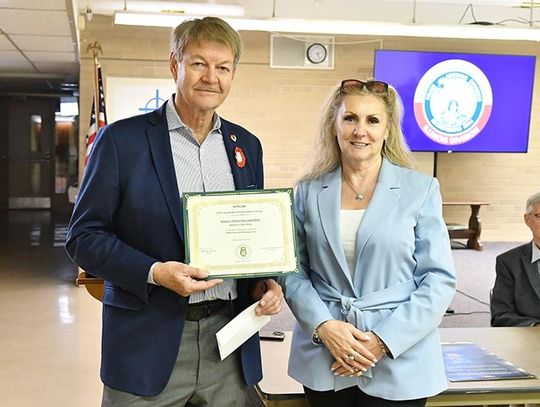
x=516 y=294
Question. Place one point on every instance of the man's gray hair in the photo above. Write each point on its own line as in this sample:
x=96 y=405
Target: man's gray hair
x=533 y=200
x=211 y=29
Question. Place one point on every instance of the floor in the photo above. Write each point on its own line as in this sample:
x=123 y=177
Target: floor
x=50 y=336
x=51 y=329
x=49 y=345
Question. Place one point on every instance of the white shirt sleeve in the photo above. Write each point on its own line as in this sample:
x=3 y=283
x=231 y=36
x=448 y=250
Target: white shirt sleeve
x=150 y=279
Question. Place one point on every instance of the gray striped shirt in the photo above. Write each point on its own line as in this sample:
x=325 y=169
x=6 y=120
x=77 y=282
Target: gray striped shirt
x=201 y=168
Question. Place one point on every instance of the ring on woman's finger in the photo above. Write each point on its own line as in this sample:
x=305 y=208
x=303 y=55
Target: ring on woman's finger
x=349 y=357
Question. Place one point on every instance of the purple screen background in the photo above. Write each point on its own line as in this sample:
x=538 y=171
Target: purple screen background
x=511 y=78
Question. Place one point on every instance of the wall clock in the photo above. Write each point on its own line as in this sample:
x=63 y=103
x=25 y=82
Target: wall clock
x=316 y=53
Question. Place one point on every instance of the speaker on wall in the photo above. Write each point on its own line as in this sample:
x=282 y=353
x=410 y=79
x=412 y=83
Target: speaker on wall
x=301 y=52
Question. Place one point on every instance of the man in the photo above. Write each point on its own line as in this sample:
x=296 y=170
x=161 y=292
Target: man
x=516 y=294
x=159 y=315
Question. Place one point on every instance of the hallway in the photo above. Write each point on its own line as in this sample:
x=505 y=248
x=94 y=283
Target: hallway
x=50 y=328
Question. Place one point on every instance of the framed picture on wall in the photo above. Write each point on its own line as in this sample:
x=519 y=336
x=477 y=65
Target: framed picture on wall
x=126 y=97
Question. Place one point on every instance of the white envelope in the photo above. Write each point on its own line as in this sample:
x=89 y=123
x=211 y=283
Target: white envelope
x=239 y=330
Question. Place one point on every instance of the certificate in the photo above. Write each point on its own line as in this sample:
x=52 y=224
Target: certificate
x=241 y=233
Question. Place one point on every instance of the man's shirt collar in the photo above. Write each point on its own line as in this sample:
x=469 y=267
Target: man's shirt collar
x=174 y=121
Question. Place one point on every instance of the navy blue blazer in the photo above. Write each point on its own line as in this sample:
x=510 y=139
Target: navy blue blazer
x=128 y=215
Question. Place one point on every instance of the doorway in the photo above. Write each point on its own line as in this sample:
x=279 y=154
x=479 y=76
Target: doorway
x=41 y=159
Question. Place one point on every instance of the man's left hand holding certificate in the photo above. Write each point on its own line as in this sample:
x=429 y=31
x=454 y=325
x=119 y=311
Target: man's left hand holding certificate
x=241 y=234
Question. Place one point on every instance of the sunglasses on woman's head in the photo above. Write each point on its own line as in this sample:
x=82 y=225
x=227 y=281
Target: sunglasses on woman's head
x=355 y=84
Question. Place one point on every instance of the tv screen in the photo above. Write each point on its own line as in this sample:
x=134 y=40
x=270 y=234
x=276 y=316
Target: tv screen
x=458 y=102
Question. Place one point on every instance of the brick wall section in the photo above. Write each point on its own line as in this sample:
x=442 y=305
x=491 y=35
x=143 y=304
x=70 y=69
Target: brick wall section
x=281 y=106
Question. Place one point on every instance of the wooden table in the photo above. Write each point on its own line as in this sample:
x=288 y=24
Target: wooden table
x=94 y=285
x=516 y=345
x=472 y=231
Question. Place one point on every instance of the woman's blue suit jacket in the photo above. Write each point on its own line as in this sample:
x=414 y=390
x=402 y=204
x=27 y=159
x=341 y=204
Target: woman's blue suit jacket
x=128 y=215
x=404 y=282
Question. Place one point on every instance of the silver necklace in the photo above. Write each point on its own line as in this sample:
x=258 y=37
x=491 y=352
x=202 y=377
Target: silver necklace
x=358 y=196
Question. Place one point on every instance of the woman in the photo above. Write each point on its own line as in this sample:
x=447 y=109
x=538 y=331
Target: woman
x=377 y=272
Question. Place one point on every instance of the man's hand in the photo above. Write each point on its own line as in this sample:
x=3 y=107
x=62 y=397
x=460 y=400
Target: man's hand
x=270 y=297
x=182 y=279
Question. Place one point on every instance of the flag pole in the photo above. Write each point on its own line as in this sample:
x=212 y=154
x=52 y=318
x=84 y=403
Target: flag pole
x=93 y=285
x=95 y=49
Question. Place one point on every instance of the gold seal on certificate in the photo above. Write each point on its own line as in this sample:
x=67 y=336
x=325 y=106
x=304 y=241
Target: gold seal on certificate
x=241 y=233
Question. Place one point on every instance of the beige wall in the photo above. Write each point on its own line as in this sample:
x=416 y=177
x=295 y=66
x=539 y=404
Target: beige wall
x=281 y=106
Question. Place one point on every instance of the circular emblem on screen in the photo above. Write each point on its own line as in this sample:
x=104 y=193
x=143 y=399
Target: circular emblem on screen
x=452 y=102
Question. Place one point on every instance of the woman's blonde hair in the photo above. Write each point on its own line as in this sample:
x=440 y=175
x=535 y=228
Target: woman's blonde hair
x=327 y=155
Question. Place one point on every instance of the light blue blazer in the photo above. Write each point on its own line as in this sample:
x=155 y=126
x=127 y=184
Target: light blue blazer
x=404 y=282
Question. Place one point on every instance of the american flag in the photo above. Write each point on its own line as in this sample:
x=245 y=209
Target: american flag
x=102 y=116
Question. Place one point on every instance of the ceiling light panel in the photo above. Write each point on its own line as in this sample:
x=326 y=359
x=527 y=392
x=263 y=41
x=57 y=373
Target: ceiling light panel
x=343 y=27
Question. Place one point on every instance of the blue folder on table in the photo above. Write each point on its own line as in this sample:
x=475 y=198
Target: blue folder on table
x=467 y=361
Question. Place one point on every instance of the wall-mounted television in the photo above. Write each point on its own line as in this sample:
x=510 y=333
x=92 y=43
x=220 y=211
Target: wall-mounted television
x=460 y=102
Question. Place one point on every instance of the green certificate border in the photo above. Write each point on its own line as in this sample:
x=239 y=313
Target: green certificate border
x=196 y=203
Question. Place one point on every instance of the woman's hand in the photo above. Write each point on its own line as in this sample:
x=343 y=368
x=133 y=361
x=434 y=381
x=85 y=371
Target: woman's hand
x=339 y=370
x=372 y=345
x=375 y=346
x=346 y=343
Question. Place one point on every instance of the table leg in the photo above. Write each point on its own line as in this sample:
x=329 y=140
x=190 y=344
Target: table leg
x=475 y=225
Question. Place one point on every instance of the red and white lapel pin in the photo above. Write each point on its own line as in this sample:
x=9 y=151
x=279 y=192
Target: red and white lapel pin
x=240 y=157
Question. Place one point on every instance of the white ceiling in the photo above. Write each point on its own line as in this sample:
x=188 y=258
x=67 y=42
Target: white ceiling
x=38 y=46
x=39 y=49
